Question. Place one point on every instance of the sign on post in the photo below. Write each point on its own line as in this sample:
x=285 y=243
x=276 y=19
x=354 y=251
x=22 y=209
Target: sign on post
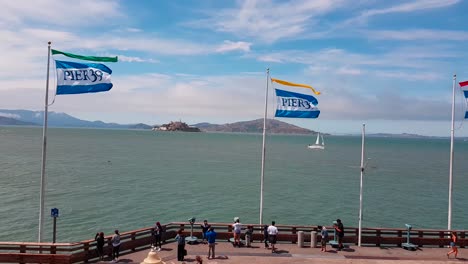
x=54 y=212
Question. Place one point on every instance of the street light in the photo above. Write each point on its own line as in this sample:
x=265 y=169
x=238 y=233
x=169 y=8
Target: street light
x=360 y=189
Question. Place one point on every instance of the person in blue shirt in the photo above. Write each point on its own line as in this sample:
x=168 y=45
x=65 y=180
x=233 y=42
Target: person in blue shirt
x=211 y=238
x=180 y=238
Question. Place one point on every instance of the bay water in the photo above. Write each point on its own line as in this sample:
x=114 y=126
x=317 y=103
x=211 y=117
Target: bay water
x=102 y=180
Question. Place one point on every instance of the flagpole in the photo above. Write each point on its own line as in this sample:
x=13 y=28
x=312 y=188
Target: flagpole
x=263 y=148
x=452 y=135
x=360 y=189
x=44 y=148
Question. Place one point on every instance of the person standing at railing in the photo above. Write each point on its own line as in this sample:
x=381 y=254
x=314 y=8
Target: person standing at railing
x=158 y=229
x=237 y=229
x=324 y=239
x=180 y=238
x=205 y=227
x=272 y=233
x=115 y=246
x=100 y=244
x=340 y=233
x=211 y=238
x=453 y=245
x=248 y=235
x=265 y=236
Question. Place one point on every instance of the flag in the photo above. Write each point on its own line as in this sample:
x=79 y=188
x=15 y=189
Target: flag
x=77 y=78
x=296 y=105
x=295 y=85
x=464 y=87
x=88 y=58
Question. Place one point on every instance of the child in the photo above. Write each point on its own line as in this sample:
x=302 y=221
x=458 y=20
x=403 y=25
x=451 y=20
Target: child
x=248 y=235
x=323 y=242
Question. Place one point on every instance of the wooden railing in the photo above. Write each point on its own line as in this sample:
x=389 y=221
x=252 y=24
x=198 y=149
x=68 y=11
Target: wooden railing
x=83 y=251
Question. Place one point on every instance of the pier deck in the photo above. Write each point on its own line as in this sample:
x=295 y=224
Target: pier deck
x=291 y=253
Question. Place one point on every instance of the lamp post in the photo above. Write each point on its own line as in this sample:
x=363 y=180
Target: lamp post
x=360 y=189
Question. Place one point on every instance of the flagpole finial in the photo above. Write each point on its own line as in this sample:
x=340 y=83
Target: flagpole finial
x=50 y=42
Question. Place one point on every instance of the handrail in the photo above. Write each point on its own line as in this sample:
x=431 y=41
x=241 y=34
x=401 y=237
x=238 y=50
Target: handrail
x=82 y=251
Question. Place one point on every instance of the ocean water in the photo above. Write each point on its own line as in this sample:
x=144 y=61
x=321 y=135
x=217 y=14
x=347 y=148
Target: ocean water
x=106 y=179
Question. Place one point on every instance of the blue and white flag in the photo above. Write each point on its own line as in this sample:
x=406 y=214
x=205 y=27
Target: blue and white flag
x=77 y=78
x=296 y=105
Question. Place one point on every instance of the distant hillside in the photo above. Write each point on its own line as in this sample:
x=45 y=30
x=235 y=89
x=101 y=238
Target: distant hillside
x=26 y=117
x=8 y=121
x=255 y=126
x=403 y=135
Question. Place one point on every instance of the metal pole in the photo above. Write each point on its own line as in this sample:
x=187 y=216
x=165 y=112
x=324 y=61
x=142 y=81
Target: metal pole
x=54 y=231
x=263 y=148
x=452 y=135
x=360 y=189
x=44 y=147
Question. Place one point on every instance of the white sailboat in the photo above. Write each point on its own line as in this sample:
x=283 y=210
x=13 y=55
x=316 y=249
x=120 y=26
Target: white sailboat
x=317 y=144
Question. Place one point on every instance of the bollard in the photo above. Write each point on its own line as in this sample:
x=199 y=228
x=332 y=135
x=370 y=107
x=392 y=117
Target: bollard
x=300 y=239
x=313 y=239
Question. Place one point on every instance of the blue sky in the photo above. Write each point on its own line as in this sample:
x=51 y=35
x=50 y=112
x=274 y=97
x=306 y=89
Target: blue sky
x=388 y=64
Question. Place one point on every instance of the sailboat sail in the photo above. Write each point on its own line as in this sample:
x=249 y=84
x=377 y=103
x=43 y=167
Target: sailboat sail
x=317 y=144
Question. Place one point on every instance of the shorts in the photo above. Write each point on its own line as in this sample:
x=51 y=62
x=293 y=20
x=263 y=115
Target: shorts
x=323 y=242
x=452 y=244
x=272 y=239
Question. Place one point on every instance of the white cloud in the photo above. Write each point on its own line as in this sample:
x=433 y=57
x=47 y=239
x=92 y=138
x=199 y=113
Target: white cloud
x=418 y=34
x=10 y=115
x=405 y=7
x=56 y=12
x=233 y=46
x=135 y=59
x=268 y=20
x=411 y=6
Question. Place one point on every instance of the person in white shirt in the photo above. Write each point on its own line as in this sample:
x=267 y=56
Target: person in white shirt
x=272 y=232
x=237 y=229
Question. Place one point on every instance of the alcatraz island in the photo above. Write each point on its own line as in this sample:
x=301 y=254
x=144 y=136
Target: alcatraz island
x=176 y=126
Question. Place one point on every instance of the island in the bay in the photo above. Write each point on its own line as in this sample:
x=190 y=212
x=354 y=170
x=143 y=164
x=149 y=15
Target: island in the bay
x=176 y=126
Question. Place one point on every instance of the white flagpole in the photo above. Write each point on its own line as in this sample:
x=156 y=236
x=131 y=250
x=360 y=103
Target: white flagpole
x=360 y=189
x=263 y=148
x=452 y=135
x=44 y=147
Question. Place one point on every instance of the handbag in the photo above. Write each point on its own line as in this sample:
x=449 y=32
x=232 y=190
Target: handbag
x=185 y=252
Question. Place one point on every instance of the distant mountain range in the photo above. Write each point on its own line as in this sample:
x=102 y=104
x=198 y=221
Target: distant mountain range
x=255 y=126
x=36 y=118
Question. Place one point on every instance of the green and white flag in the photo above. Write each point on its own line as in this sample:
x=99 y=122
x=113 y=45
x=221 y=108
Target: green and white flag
x=88 y=58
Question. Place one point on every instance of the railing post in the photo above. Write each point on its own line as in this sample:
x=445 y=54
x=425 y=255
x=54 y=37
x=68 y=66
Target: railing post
x=53 y=249
x=133 y=239
x=22 y=248
x=441 y=236
x=400 y=235
x=420 y=235
x=294 y=232
x=86 y=251
x=356 y=232
x=378 y=237
x=462 y=236
x=109 y=246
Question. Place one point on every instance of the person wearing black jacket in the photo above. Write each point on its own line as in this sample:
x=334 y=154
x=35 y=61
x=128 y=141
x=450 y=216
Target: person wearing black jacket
x=100 y=244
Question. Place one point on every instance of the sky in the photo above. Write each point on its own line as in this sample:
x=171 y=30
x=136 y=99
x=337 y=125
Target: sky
x=388 y=64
